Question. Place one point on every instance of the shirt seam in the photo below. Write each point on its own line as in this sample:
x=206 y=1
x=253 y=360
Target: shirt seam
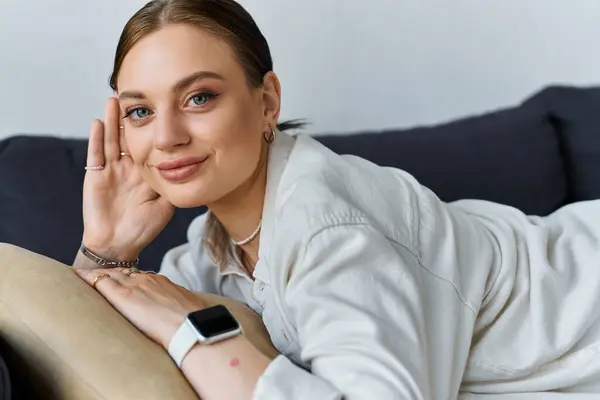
x=498 y=274
x=362 y=220
x=585 y=353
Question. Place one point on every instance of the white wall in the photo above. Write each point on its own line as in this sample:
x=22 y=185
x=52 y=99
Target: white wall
x=344 y=64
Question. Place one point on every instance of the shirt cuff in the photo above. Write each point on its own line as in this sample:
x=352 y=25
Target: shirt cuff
x=284 y=380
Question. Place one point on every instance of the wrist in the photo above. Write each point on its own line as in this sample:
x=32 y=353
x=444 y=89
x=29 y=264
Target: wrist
x=102 y=262
x=228 y=369
x=82 y=262
x=110 y=252
x=169 y=332
x=220 y=350
x=207 y=327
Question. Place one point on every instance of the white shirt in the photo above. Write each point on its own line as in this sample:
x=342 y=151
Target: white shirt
x=373 y=288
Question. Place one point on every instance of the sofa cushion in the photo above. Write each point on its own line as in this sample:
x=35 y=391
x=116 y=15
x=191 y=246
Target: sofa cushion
x=577 y=113
x=510 y=156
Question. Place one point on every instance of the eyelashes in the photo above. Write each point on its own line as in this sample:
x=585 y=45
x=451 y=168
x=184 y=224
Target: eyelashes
x=204 y=98
x=130 y=112
x=197 y=100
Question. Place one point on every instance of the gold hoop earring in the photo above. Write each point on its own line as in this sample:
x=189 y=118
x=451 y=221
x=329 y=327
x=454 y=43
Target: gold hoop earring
x=269 y=136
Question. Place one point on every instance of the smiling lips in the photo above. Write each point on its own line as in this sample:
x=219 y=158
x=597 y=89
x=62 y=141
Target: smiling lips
x=180 y=169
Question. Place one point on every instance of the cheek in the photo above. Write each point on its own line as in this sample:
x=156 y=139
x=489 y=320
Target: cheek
x=234 y=132
x=150 y=178
x=140 y=147
x=139 y=143
x=245 y=125
x=242 y=143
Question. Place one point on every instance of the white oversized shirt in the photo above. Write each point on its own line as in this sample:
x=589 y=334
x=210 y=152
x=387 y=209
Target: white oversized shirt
x=372 y=288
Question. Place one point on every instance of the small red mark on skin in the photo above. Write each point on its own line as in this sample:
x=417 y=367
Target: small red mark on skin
x=234 y=362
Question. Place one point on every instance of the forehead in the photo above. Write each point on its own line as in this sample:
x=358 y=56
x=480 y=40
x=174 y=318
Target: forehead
x=162 y=58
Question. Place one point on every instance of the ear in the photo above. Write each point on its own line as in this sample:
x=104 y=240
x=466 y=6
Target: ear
x=271 y=98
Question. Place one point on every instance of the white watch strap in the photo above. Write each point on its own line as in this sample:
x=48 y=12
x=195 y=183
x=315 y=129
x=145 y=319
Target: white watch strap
x=184 y=340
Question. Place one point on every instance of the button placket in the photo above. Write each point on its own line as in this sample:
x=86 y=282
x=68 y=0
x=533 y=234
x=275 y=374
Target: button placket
x=258 y=292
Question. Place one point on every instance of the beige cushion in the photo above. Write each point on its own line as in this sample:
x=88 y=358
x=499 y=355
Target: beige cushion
x=75 y=345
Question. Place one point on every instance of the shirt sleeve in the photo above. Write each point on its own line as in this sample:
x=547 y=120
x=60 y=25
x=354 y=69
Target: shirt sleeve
x=176 y=265
x=356 y=300
x=189 y=265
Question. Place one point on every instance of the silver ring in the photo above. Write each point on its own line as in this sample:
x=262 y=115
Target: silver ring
x=94 y=168
x=125 y=154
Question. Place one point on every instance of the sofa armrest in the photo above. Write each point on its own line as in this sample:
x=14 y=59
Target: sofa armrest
x=77 y=346
x=4 y=381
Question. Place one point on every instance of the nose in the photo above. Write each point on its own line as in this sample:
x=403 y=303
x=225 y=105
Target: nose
x=171 y=131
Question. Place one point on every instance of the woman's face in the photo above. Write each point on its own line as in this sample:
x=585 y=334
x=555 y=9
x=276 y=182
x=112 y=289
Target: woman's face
x=193 y=125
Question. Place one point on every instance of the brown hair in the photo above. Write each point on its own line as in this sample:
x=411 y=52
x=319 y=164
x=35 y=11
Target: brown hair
x=227 y=20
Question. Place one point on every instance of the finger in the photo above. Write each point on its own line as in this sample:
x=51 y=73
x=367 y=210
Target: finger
x=112 y=147
x=95 y=155
x=122 y=138
x=128 y=276
x=121 y=275
x=96 y=277
x=123 y=143
x=89 y=275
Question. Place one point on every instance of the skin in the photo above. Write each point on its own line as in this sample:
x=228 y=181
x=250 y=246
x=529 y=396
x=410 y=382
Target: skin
x=167 y=115
x=155 y=305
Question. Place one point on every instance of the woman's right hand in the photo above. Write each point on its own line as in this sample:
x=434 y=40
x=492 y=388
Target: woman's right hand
x=121 y=212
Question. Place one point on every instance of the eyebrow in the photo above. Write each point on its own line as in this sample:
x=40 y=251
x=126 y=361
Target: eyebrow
x=180 y=85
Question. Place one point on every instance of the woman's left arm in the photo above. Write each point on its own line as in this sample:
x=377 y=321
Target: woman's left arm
x=157 y=306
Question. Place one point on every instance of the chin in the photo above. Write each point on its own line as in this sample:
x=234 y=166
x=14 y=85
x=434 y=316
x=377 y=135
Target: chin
x=187 y=195
x=187 y=201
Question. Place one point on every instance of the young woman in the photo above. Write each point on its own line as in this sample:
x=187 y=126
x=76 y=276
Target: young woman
x=369 y=285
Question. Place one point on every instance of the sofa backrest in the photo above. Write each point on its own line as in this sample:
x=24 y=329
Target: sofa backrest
x=513 y=156
x=576 y=113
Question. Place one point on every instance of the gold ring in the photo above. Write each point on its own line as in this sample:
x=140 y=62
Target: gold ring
x=125 y=154
x=98 y=278
x=131 y=270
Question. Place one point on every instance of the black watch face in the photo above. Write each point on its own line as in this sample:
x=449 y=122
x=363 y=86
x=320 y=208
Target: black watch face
x=213 y=321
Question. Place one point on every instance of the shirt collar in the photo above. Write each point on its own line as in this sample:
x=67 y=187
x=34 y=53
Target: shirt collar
x=279 y=154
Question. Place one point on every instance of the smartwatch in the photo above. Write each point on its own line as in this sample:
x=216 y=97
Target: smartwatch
x=206 y=326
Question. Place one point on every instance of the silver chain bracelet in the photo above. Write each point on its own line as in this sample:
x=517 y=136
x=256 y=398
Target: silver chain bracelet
x=107 y=263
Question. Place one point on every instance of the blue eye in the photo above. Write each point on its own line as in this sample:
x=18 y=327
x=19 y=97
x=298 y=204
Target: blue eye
x=138 y=113
x=201 y=99
x=141 y=112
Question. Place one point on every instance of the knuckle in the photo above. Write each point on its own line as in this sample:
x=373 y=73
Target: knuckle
x=125 y=291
